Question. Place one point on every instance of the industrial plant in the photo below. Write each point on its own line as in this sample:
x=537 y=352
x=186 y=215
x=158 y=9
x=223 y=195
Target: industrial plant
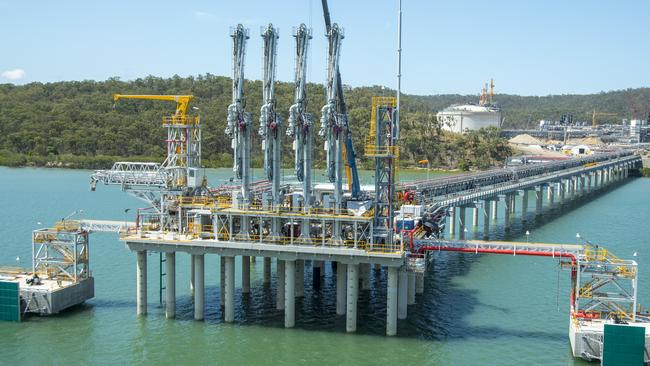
x=395 y=227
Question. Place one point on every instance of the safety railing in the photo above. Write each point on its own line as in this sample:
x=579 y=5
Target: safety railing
x=381 y=151
x=180 y=120
x=67 y=225
x=267 y=211
x=196 y=231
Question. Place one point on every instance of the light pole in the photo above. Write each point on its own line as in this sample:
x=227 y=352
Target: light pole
x=527 y=235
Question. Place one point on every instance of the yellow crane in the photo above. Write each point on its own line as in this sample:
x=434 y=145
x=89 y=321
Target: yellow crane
x=182 y=101
x=598 y=114
x=183 y=140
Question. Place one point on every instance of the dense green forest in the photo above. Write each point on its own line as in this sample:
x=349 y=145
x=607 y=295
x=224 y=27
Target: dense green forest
x=76 y=123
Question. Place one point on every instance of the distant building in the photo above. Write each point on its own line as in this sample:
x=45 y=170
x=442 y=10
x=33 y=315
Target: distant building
x=462 y=118
x=577 y=150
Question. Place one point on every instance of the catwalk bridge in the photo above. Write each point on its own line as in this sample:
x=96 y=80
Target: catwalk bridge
x=558 y=181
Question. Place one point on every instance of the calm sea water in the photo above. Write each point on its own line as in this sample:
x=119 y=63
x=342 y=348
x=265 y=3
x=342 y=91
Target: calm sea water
x=476 y=310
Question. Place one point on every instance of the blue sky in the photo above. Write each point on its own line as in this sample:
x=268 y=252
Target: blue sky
x=450 y=46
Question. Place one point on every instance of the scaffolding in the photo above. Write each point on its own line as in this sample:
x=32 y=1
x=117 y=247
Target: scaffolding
x=382 y=145
x=61 y=253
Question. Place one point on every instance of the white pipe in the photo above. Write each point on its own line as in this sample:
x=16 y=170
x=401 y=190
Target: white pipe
x=399 y=70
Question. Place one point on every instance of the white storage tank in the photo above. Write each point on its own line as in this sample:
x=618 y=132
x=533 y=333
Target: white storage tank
x=462 y=118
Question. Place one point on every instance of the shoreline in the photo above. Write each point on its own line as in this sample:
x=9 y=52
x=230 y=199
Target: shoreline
x=96 y=162
x=85 y=166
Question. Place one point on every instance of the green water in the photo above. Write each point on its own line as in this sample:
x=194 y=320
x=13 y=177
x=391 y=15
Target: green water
x=476 y=310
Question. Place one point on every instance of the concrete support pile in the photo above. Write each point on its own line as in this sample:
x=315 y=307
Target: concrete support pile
x=419 y=283
x=364 y=276
x=475 y=217
x=267 y=271
x=229 y=313
x=411 y=288
x=403 y=294
x=141 y=284
x=539 y=199
x=222 y=281
x=391 y=301
x=461 y=223
x=341 y=283
x=300 y=278
x=290 y=294
x=199 y=285
x=352 y=297
x=245 y=274
x=170 y=285
x=486 y=219
x=452 y=222
x=506 y=212
x=280 y=285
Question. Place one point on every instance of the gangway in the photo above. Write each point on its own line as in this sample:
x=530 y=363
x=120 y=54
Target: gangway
x=106 y=226
x=603 y=286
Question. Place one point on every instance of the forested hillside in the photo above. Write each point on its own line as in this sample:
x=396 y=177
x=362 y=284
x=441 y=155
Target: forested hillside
x=76 y=124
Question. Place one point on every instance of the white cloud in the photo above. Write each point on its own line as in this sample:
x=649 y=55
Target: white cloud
x=202 y=15
x=15 y=74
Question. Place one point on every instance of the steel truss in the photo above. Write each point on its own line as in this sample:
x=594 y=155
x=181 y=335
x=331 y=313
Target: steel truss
x=61 y=253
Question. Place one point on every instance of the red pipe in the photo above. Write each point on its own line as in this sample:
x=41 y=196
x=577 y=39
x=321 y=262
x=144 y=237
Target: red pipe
x=499 y=251
x=513 y=252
